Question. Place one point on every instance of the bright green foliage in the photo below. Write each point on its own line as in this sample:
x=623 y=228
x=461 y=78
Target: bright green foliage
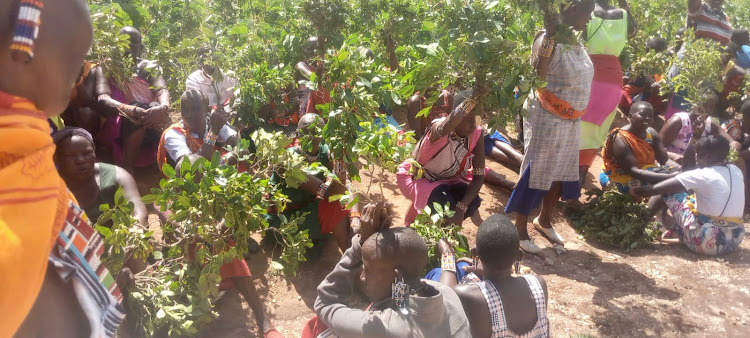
x=125 y=239
x=614 y=219
x=700 y=70
x=383 y=147
x=649 y=64
x=430 y=224
x=212 y=205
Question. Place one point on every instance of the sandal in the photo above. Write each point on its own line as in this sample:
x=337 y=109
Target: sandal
x=670 y=236
x=549 y=232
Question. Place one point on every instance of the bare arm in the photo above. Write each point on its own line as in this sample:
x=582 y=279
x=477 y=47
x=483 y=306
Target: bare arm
x=130 y=189
x=661 y=152
x=476 y=309
x=476 y=181
x=624 y=155
x=718 y=130
x=670 y=186
x=448 y=124
x=670 y=130
x=304 y=69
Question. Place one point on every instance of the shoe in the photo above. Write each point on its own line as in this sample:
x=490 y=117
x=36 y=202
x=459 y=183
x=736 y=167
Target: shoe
x=530 y=247
x=549 y=232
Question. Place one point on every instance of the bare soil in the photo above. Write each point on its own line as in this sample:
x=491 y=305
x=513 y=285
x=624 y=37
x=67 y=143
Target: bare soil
x=594 y=290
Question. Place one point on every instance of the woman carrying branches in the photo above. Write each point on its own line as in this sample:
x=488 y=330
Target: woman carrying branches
x=607 y=33
x=550 y=164
x=449 y=149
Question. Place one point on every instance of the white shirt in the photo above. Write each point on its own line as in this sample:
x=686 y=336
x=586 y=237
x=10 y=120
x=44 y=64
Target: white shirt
x=204 y=84
x=176 y=144
x=712 y=190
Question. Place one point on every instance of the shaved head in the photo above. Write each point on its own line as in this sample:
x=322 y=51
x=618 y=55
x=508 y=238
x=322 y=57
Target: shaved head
x=308 y=120
x=389 y=250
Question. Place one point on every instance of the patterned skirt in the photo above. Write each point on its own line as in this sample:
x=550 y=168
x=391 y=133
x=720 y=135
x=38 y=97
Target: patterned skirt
x=703 y=234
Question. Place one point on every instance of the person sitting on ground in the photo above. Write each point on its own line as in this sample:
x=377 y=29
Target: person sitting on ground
x=403 y=305
x=216 y=85
x=324 y=217
x=741 y=39
x=451 y=147
x=50 y=256
x=195 y=137
x=82 y=109
x=92 y=183
x=646 y=87
x=196 y=133
x=679 y=130
x=710 y=222
x=631 y=153
x=491 y=290
x=139 y=107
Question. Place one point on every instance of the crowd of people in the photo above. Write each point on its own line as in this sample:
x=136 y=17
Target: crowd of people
x=66 y=152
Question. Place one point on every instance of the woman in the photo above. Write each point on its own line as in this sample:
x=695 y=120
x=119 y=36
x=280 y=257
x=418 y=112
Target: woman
x=43 y=271
x=451 y=146
x=498 y=304
x=441 y=108
x=607 y=33
x=92 y=183
x=631 y=153
x=679 y=130
x=710 y=222
x=552 y=132
x=389 y=261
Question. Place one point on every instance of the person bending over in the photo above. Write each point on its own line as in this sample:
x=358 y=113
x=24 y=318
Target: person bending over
x=634 y=154
x=92 y=183
x=138 y=107
x=451 y=147
x=403 y=305
x=709 y=222
x=519 y=303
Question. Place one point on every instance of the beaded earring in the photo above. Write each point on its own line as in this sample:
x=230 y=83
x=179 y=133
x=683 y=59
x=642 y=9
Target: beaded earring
x=26 y=30
x=399 y=290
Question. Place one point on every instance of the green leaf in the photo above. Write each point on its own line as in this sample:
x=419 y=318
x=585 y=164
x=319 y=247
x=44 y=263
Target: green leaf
x=168 y=170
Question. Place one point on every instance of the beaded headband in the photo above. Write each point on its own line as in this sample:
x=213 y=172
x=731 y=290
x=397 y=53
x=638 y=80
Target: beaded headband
x=26 y=30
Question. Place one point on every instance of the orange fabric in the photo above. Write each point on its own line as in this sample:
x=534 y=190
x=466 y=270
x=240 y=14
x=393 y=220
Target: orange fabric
x=193 y=143
x=33 y=205
x=643 y=151
x=586 y=157
x=87 y=67
x=557 y=106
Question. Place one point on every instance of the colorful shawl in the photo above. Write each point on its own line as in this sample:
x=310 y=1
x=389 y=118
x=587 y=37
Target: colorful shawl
x=193 y=143
x=35 y=205
x=642 y=149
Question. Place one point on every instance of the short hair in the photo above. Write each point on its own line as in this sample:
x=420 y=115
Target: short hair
x=714 y=145
x=640 y=105
x=308 y=120
x=193 y=100
x=680 y=32
x=740 y=36
x=367 y=51
x=657 y=44
x=745 y=107
x=402 y=247
x=68 y=132
x=497 y=242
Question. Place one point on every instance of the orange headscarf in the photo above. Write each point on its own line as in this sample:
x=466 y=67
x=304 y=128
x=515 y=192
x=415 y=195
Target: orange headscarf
x=33 y=206
x=643 y=151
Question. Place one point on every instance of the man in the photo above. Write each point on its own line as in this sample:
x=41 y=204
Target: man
x=143 y=103
x=709 y=20
x=403 y=305
x=217 y=86
x=38 y=216
x=195 y=134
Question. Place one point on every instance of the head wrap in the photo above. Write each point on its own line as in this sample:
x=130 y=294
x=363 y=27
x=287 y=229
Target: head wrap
x=68 y=132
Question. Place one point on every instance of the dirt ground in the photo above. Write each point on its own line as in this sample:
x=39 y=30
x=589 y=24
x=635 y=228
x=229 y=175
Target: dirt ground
x=594 y=290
